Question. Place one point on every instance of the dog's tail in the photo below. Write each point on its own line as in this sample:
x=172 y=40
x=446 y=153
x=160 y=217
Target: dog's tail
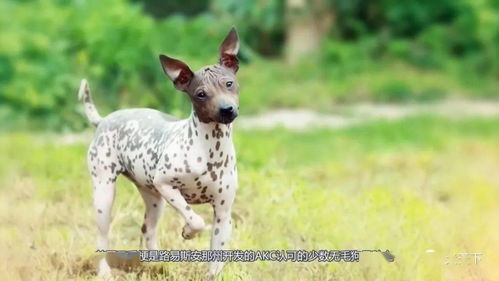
x=90 y=110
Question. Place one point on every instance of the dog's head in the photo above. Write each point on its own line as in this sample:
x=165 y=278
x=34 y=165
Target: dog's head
x=213 y=90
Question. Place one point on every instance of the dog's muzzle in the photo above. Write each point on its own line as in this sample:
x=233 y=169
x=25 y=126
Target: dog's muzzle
x=227 y=114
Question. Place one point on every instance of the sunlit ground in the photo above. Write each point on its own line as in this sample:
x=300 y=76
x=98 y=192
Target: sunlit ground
x=409 y=186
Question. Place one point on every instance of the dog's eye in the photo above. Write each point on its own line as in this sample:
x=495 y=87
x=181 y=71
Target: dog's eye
x=201 y=94
x=229 y=84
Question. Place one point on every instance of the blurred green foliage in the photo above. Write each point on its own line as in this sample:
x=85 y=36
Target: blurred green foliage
x=374 y=51
x=48 y=46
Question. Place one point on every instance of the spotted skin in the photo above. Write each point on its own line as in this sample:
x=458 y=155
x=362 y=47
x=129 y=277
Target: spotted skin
x=179 y=162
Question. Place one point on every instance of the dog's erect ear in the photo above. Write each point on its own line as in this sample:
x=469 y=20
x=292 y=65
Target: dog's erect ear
x=180 y=74
x=229 y=50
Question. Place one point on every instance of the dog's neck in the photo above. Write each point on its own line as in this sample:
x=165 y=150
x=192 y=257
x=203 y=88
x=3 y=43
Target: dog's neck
x=210 y=133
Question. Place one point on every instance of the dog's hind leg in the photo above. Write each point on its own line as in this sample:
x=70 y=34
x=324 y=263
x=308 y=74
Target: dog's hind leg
x=154 y=208
x=104 y=191
x=104 y=169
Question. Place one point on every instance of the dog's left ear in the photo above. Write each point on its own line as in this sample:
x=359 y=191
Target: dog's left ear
x=229 y=49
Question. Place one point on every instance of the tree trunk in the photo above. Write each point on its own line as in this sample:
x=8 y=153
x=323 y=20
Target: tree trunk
x=308 y=21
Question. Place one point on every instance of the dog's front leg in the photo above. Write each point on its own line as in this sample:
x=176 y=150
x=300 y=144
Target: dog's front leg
x=194 y=222
x=222 y=228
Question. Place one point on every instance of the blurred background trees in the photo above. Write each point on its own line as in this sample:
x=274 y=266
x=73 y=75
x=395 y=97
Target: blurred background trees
x=298 y=53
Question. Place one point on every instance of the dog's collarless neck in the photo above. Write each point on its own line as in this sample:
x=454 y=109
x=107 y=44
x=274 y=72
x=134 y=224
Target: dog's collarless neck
x=212 y=130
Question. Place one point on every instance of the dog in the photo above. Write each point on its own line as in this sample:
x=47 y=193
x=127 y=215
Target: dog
x=182 y=162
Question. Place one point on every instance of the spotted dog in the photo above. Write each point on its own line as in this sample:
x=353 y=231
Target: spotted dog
x=182 y=162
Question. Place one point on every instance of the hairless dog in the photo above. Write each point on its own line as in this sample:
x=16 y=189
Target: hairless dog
x=181 y=162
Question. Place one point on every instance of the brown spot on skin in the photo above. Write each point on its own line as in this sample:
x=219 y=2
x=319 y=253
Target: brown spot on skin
x=213 y=175
x=99 y=211
x=155 y=205
x=218 y=220
x=223 y=243
x=199 y=159
x=188 y=208
x=206 y=136
x=220 y=190
x=217 y=231
x=222 y=202
x=144 y=228
x=217 y=146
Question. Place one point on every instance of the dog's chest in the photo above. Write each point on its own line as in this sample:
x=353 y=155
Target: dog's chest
x=200 y=163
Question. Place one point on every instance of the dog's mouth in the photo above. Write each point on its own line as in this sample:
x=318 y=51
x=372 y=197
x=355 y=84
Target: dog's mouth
x=224 y=119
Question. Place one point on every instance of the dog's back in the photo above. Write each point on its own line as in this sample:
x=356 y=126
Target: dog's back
x=130 y=142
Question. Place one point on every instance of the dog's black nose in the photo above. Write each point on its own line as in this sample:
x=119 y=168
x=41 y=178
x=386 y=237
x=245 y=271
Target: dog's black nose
x=227 y=111
x=227 y=114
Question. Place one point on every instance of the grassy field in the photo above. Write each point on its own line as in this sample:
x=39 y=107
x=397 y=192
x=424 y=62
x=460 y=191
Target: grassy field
x=408 y=186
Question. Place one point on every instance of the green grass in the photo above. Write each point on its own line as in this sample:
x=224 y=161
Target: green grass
x=407 y=186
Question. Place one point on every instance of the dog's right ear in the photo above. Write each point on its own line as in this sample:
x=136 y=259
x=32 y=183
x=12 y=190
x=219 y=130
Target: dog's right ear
x=180 y=74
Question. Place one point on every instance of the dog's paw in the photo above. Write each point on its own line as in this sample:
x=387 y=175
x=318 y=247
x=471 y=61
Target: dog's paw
x=187 y=232
x=190 y=229
x=214 y=270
